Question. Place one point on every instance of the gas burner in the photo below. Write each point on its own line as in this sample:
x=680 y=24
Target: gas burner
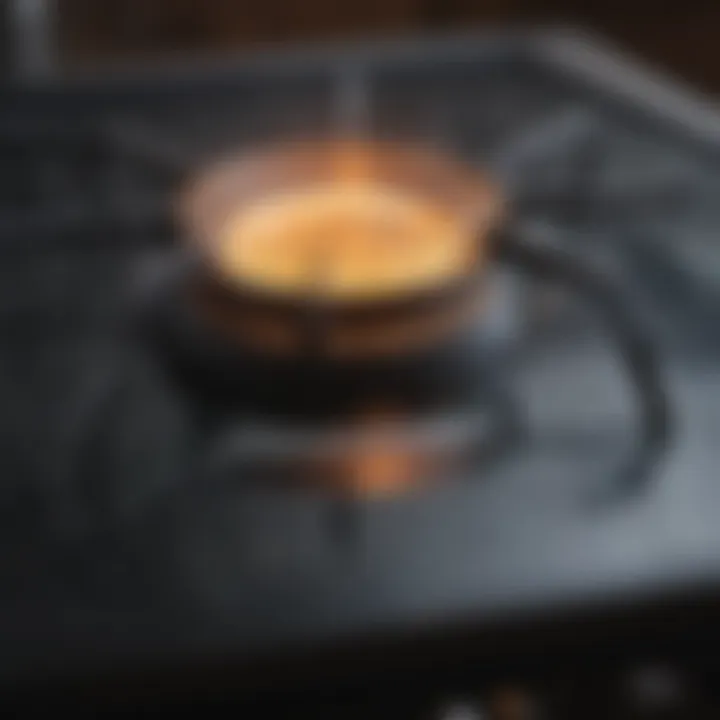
x=302 y=423
x=355 y=428
x=386 y=446
x=367 y=456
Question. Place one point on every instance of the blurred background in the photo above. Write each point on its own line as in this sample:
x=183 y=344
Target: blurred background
x=680 y=37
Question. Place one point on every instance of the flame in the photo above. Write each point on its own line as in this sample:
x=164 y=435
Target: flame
x=384 y=472
x=383 y=468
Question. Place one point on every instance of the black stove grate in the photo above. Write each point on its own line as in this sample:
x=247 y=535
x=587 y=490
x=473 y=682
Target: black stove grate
x=94 y=432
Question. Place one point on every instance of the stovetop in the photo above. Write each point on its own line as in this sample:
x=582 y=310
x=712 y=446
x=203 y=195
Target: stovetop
x=132 y=525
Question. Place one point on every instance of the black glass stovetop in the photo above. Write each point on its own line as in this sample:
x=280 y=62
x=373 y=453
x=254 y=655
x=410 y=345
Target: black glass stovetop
x=134 y=525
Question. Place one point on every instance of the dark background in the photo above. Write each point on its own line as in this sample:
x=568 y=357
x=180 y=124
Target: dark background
x=680 y=36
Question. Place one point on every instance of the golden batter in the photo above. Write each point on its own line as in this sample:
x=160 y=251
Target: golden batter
x=351 y=241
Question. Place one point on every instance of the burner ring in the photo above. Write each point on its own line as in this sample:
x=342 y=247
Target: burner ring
x=370 y=459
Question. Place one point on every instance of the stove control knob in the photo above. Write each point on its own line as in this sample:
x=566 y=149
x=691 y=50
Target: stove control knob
x=512 y=703
x=462 y=710
x=655 y=689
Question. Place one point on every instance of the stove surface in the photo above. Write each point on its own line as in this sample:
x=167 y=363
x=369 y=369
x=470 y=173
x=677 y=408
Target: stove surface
x=132 y=522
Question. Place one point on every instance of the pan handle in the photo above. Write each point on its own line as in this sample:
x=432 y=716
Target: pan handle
x=633 y=342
